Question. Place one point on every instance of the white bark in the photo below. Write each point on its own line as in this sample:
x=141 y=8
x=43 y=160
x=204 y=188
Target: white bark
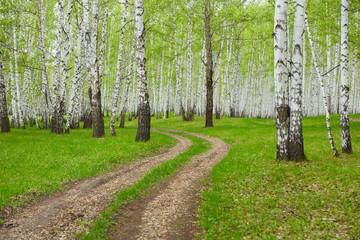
x=116 y=90
x=45 y=96
x=322 y=89
x=57 y=62
x=143 y=131
x=74 y=104
x=281 y=78
x=296 y=143
x=344 y=66
x=177 y=70
x=189 y=64
x=65 y=58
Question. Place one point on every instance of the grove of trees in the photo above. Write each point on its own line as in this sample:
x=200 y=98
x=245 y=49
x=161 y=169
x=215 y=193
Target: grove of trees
x=80 y=60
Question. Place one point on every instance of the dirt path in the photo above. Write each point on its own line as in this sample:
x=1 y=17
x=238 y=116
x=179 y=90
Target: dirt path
x=60 y=215
x=169 y=212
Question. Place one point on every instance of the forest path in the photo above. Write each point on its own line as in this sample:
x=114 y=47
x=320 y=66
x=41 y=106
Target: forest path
x=169 y=211
x=61 y=214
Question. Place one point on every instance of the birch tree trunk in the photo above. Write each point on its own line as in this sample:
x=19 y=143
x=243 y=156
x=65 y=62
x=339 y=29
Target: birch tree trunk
x=74 y=103
x=296 y=142
x=322 y=89
x=189 y=111
x=143 y=130
x=4 y=117
x=118 y=79
x=128 y=79
x=177 y=70
x=209 y=68
x=344 y=65
x=281 y=79
x=17 y=79
x=55 y=122
x=228 y=85
x=96 y=112
x=44 y=88
x=65 y=58
x=103 y=41
x=217 y=77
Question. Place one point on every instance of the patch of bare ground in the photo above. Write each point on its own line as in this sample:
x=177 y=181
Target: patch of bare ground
x=169 y=211
x=62 y=214
x=355 y=119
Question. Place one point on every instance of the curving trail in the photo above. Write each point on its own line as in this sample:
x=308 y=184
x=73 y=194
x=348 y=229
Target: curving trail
x=60 y=215
x=169 y=212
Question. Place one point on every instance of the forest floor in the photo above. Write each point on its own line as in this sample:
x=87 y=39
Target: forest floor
x=61 y=215
x=245 y=195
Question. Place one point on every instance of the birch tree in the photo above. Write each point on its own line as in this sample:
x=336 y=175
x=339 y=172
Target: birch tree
x=322 y=89
x=118 y=79
x=281 y=79
x=55 y=122
x=65 y=58
x=296 y=142
x=143 y=130
x=4 y=118
x=344 y=65
x=45 y=96
x=96 y=112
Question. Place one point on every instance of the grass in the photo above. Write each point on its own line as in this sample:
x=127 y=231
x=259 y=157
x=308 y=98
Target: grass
x=34 y=163
x=252 y=196
x=100 y=228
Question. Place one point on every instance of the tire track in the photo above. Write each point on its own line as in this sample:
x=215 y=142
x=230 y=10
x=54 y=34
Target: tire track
x=60 y=215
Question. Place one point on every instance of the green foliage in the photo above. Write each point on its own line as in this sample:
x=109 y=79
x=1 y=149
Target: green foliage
x=35 y=162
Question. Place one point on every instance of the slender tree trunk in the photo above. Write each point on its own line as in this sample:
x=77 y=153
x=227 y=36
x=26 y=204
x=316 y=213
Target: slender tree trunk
x=56 y=127
x=74 y=104
x=44 y=88
x=189 y=111
x=17 y=78
x=4 y=118
x=296 y=142
x=322 y=89
x=65 y=58
x=281 y=79
x=227 y=74
x=344 y=65
x=209 y=68
x=96 y=112
x=128 y=80
x=177 y=70
x=143 y=131
x=118 y=79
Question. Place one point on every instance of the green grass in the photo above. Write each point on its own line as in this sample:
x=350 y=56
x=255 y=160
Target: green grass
x=34 y=163
x=252 y=196
x=100 y=228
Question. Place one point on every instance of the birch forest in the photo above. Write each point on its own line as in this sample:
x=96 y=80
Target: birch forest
x=70 y=61
x=179 y=119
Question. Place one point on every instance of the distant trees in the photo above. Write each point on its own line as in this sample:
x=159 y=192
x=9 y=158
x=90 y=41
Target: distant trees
x=77 y=63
